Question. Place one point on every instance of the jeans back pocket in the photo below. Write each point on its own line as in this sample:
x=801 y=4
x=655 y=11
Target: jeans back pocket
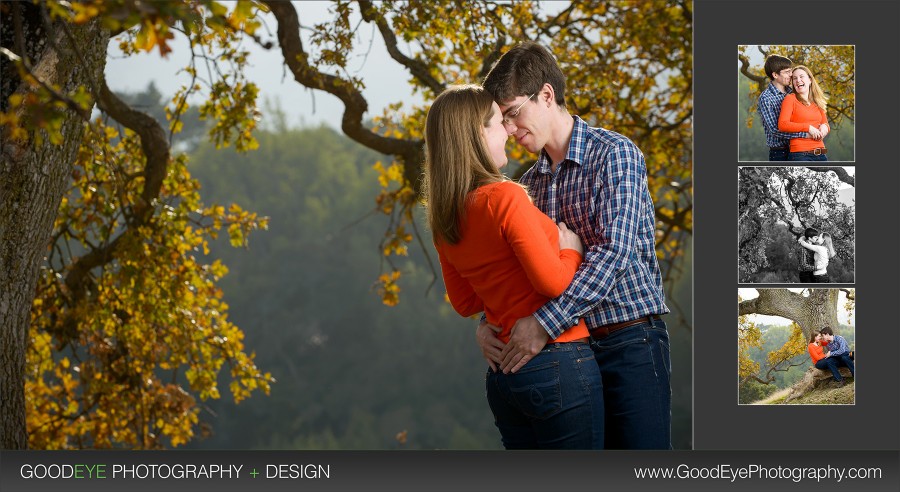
x=535 y=390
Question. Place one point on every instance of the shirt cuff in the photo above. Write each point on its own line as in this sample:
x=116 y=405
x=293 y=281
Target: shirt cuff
x=553 y=320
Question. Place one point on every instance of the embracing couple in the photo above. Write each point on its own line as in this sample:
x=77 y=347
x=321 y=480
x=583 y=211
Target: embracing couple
x=792 y=108
x=562 y=264
x=814 y=250
x=830 y=351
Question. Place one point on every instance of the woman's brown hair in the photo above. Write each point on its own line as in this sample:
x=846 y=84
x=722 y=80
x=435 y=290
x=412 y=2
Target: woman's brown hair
x=457 y=160
x=816 y=95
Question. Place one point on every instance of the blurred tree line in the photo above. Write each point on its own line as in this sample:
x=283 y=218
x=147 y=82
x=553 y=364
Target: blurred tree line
x=350 y=373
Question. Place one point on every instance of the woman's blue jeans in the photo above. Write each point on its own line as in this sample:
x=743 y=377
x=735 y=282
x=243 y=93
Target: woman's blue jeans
x=555 y=401
x=636 y=371
x=803 y=156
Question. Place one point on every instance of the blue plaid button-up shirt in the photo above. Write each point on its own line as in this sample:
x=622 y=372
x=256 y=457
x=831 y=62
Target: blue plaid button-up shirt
x=600 y=191
x=769 y=107
x=838 y=346
x=806 y=260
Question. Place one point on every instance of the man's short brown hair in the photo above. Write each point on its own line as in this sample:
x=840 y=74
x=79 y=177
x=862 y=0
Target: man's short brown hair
x=522 y=71
x=775 y=64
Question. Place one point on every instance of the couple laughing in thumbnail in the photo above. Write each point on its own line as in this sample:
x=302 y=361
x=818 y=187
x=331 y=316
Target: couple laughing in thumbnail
x=793 y=114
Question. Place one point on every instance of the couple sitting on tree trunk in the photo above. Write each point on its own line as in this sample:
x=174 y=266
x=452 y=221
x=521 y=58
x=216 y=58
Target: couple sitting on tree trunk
x=830 y=351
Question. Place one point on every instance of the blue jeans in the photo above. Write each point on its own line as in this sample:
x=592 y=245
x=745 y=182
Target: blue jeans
x=833 y=363
x=802 y=156
x=554 y=402
x=635 y=365
x=778 y=154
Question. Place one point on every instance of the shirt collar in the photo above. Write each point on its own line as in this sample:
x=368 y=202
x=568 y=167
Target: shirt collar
x=787 y=89
x=576 y=151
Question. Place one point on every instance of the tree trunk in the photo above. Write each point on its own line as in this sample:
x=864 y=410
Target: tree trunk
x=34 y=178
x=814 y=379
x=817 y=310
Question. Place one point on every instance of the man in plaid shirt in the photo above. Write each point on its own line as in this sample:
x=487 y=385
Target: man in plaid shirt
x=838 y=354
x=778 y=69
x=595 y=181
x=806 y=259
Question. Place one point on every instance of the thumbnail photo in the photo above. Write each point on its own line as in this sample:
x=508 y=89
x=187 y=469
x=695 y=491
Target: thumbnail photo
x=796 y=225
x=796 y=346
x=796 y=103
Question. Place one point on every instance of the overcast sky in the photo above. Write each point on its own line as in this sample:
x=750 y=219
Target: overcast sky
x=847 y=193
x=301 y=105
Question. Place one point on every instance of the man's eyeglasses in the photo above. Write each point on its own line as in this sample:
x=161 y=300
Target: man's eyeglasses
x=511 y=116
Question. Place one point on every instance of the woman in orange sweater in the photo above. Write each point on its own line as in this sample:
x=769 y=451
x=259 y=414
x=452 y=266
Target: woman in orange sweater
x=804 y=111
x=499 y=254
x=816 y=350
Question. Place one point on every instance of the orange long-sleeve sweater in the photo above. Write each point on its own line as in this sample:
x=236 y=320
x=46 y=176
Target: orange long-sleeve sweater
x=797 y=117
x=817 y=352
x=508 y=263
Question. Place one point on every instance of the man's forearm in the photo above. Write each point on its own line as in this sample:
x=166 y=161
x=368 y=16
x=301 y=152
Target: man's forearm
x=770 y=123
